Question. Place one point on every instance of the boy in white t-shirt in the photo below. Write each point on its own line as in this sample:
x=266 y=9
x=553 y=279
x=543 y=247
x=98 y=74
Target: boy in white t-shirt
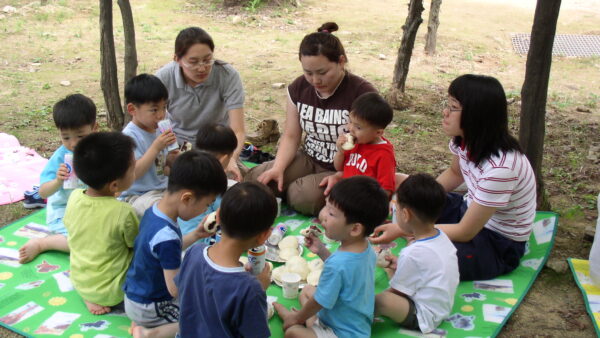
x=421 y=292
x=146 y=99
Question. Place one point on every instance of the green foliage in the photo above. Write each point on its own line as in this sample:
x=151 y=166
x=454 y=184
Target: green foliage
x=252 y=5
x=575 y=211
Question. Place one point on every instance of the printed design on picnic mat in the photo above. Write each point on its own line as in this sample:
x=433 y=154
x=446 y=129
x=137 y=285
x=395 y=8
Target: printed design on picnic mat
x=38 y=298
x=590 y=292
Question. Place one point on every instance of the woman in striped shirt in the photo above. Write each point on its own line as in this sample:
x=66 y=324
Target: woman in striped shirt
x=491 y=224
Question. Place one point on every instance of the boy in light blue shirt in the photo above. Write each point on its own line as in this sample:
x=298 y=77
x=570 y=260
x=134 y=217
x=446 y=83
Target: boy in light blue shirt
x=75 y=118
x=146 y=99
x=344 y=301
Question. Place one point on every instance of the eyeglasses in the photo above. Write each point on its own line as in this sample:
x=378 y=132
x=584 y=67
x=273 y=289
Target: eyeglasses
x=198 y=65
x=446 y=105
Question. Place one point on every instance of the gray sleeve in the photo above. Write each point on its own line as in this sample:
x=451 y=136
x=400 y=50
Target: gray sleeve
x=233 y=91
x=164 y=74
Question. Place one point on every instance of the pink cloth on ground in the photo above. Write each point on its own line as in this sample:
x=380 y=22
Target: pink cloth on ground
x=20 y=169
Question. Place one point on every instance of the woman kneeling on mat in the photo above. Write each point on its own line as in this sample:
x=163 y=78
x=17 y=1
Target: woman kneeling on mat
x=492 y=223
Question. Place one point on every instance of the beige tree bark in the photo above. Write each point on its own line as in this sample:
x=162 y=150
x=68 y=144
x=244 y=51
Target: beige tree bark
x=432 y=26
x=396 y=96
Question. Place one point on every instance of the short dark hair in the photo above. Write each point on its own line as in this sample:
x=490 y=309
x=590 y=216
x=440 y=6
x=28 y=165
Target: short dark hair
x=247 y=209
x=362 y=200
x=217 y=139
x=198 y=171
x=323 y=43
x=422 y=194
x=145 y=88
x=103 y=157
x=191 y=36
x=484 y=116
x=374 y=109
x=74 y=111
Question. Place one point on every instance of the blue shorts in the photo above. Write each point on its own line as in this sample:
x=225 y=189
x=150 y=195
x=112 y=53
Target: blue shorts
x=58 y=227
x=486 y=256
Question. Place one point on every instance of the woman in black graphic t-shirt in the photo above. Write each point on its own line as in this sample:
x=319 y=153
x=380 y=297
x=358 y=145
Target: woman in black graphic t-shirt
x=318 y=106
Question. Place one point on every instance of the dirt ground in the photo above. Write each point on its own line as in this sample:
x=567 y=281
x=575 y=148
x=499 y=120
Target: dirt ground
x=44 y=45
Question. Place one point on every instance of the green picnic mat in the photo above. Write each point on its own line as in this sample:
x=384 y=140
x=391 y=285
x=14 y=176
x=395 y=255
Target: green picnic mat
x=590 y=292
x=37 y=298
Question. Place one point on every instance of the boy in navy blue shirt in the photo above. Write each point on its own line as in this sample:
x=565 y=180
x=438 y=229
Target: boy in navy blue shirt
x=218 y=297
x=150 y=292
x=345 y=298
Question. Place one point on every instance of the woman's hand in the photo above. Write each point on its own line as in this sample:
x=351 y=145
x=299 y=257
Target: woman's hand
x=272 y=174
x=386 y=233
x=233 y=169
x=329 y=181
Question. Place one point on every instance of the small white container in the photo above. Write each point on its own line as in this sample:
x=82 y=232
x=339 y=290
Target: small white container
x=163 y=126
x=291 y=284
x=72 y=182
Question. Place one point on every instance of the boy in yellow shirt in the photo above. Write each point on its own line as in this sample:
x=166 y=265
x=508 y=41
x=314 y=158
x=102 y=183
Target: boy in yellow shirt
x=101 y=228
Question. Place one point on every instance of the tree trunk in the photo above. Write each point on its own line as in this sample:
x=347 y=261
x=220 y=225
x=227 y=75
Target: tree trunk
x=413 y=20
x=131 y=62
x=432 y=27
x=534 y=92
x=108 y=75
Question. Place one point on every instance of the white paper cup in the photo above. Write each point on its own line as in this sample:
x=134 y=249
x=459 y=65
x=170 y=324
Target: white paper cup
x=278 y=206
x=291 y=284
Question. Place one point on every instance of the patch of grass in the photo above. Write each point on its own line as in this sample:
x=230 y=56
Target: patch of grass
x=62 y=16
x=560 y=101
x=41 y=16
x=592 y=101
x=253 y=5
x=573 y=212
x=591 y=201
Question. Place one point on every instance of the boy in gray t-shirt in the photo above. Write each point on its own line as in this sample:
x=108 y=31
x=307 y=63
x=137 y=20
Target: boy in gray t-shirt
x=146 y=99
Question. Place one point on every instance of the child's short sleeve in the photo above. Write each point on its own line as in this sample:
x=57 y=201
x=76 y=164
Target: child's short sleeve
x=330 y=285
x=386 y=172
x=131 y=226
x=49 y=172
x=407 y=277
x=166 y=246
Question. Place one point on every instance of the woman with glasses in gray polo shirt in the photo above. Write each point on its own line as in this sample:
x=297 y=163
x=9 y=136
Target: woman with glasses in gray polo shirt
x=203 y=90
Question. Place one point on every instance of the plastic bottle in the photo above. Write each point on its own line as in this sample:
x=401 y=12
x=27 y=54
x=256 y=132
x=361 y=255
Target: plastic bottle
x=72 y=182
x=277 y=234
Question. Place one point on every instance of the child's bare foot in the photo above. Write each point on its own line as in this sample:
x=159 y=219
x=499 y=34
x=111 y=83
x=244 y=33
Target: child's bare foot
x=30 y=250
x=96 y=309
x=138 y=331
